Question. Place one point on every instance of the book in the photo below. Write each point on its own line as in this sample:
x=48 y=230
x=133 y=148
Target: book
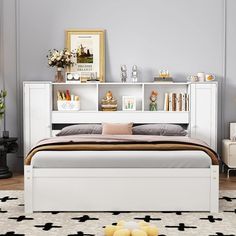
x=183 y=102
x=170 y=101
x=187 y=102
x=166 y=102
x=179 y=102
x=173 y=101
x=176 y=102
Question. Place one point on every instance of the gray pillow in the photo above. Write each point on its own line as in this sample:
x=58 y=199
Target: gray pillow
x=81 y=129
x=159 y=129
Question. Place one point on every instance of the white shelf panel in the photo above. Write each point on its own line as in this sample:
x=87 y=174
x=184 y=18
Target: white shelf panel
x=145 y=83
x=167 y=83
x=127 y=83
x=59 y=117
x=74 y=83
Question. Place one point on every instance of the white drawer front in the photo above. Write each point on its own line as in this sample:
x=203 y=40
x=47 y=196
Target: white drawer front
x=232 y=149
x=232 y=161
x=232 y=156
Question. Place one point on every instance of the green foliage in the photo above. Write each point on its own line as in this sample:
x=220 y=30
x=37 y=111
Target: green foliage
x=3 y=94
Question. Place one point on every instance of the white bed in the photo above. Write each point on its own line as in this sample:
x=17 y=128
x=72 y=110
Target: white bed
x=62 y=181
x=121 y=159
x=108 y=188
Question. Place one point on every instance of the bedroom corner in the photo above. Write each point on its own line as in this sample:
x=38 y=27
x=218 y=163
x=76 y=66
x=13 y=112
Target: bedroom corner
x=117 y=117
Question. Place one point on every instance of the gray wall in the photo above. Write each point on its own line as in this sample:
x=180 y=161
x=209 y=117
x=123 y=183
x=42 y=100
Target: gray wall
x=229 y=98
x=184 y=36
x=8 y=71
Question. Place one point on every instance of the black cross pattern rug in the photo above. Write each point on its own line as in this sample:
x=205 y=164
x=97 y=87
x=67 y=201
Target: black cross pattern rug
x=14 y=222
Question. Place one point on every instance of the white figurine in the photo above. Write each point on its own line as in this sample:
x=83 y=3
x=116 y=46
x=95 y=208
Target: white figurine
x=134 y=74
x=123 y=73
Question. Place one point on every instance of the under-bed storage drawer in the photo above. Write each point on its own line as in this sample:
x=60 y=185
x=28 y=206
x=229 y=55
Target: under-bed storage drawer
x=121 y=189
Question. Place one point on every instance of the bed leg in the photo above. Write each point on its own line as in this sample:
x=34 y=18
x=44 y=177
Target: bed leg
x=28 y=188
x=214 y=195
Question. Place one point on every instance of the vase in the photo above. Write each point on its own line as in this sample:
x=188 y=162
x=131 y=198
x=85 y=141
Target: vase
x=59 y=78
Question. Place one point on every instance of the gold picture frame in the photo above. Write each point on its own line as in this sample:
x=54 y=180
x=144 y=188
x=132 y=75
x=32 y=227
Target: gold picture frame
x=89 y=48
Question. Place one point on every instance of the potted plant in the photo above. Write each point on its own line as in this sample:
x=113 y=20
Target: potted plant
x=3 y=94
x=60 y=59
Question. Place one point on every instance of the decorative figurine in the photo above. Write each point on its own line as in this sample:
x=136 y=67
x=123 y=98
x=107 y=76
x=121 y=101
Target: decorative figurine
x=153 y=99
x=209 y=77
x=123 y=73
x=109 y=96
x=109 y=103
x=164 y=76
x=134 y=74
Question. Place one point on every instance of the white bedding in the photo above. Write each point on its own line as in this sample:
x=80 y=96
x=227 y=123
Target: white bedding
x=121 y=159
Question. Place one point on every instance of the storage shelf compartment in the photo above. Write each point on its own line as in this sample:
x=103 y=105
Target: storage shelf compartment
x=162 y=88
x=91 y=96
x=87 y=95
x=122 y=89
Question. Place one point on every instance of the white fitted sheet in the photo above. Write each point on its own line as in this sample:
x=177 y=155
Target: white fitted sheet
x=121 y=159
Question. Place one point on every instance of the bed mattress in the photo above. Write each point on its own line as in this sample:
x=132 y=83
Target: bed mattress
x=121 y=159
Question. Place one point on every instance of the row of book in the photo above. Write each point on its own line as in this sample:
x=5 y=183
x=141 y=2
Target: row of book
x=176 y=102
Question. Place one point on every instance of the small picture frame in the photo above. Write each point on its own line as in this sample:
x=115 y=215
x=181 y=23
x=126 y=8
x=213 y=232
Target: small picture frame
x=129 y=103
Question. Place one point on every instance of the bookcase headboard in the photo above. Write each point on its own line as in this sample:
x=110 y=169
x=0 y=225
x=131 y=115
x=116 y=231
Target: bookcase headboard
x=41 y=114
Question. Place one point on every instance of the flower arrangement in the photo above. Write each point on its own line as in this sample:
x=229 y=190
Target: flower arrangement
x=60 y=59
x=3 y=94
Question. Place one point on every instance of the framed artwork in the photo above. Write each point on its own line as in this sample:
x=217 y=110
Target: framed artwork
x=128 y=103
x=89 y=49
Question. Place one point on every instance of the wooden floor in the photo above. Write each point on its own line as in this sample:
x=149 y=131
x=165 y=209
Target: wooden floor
x=17 y=182
x=14 y=183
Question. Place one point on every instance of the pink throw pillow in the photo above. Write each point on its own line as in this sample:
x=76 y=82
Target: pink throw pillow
x=117 y=128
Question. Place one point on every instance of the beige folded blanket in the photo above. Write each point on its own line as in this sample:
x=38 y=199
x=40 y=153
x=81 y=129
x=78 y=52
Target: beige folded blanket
x=121 y=142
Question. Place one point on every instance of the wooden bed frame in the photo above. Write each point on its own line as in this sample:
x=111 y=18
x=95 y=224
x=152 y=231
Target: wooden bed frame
x=121 y=189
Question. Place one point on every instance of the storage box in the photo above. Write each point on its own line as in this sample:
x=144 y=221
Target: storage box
x=68 y=105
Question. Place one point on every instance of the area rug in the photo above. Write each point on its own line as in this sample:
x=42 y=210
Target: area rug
x=13 y=221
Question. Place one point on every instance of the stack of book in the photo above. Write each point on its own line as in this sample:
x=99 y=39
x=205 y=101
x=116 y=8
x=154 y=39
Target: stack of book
x=176 y=102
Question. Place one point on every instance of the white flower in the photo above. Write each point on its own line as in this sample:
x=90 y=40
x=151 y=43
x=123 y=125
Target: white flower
x=56 y=54
x=62 y=57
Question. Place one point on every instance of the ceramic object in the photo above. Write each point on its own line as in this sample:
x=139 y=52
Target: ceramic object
x=59 y=78
x=201 y=76
x=209 y=77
